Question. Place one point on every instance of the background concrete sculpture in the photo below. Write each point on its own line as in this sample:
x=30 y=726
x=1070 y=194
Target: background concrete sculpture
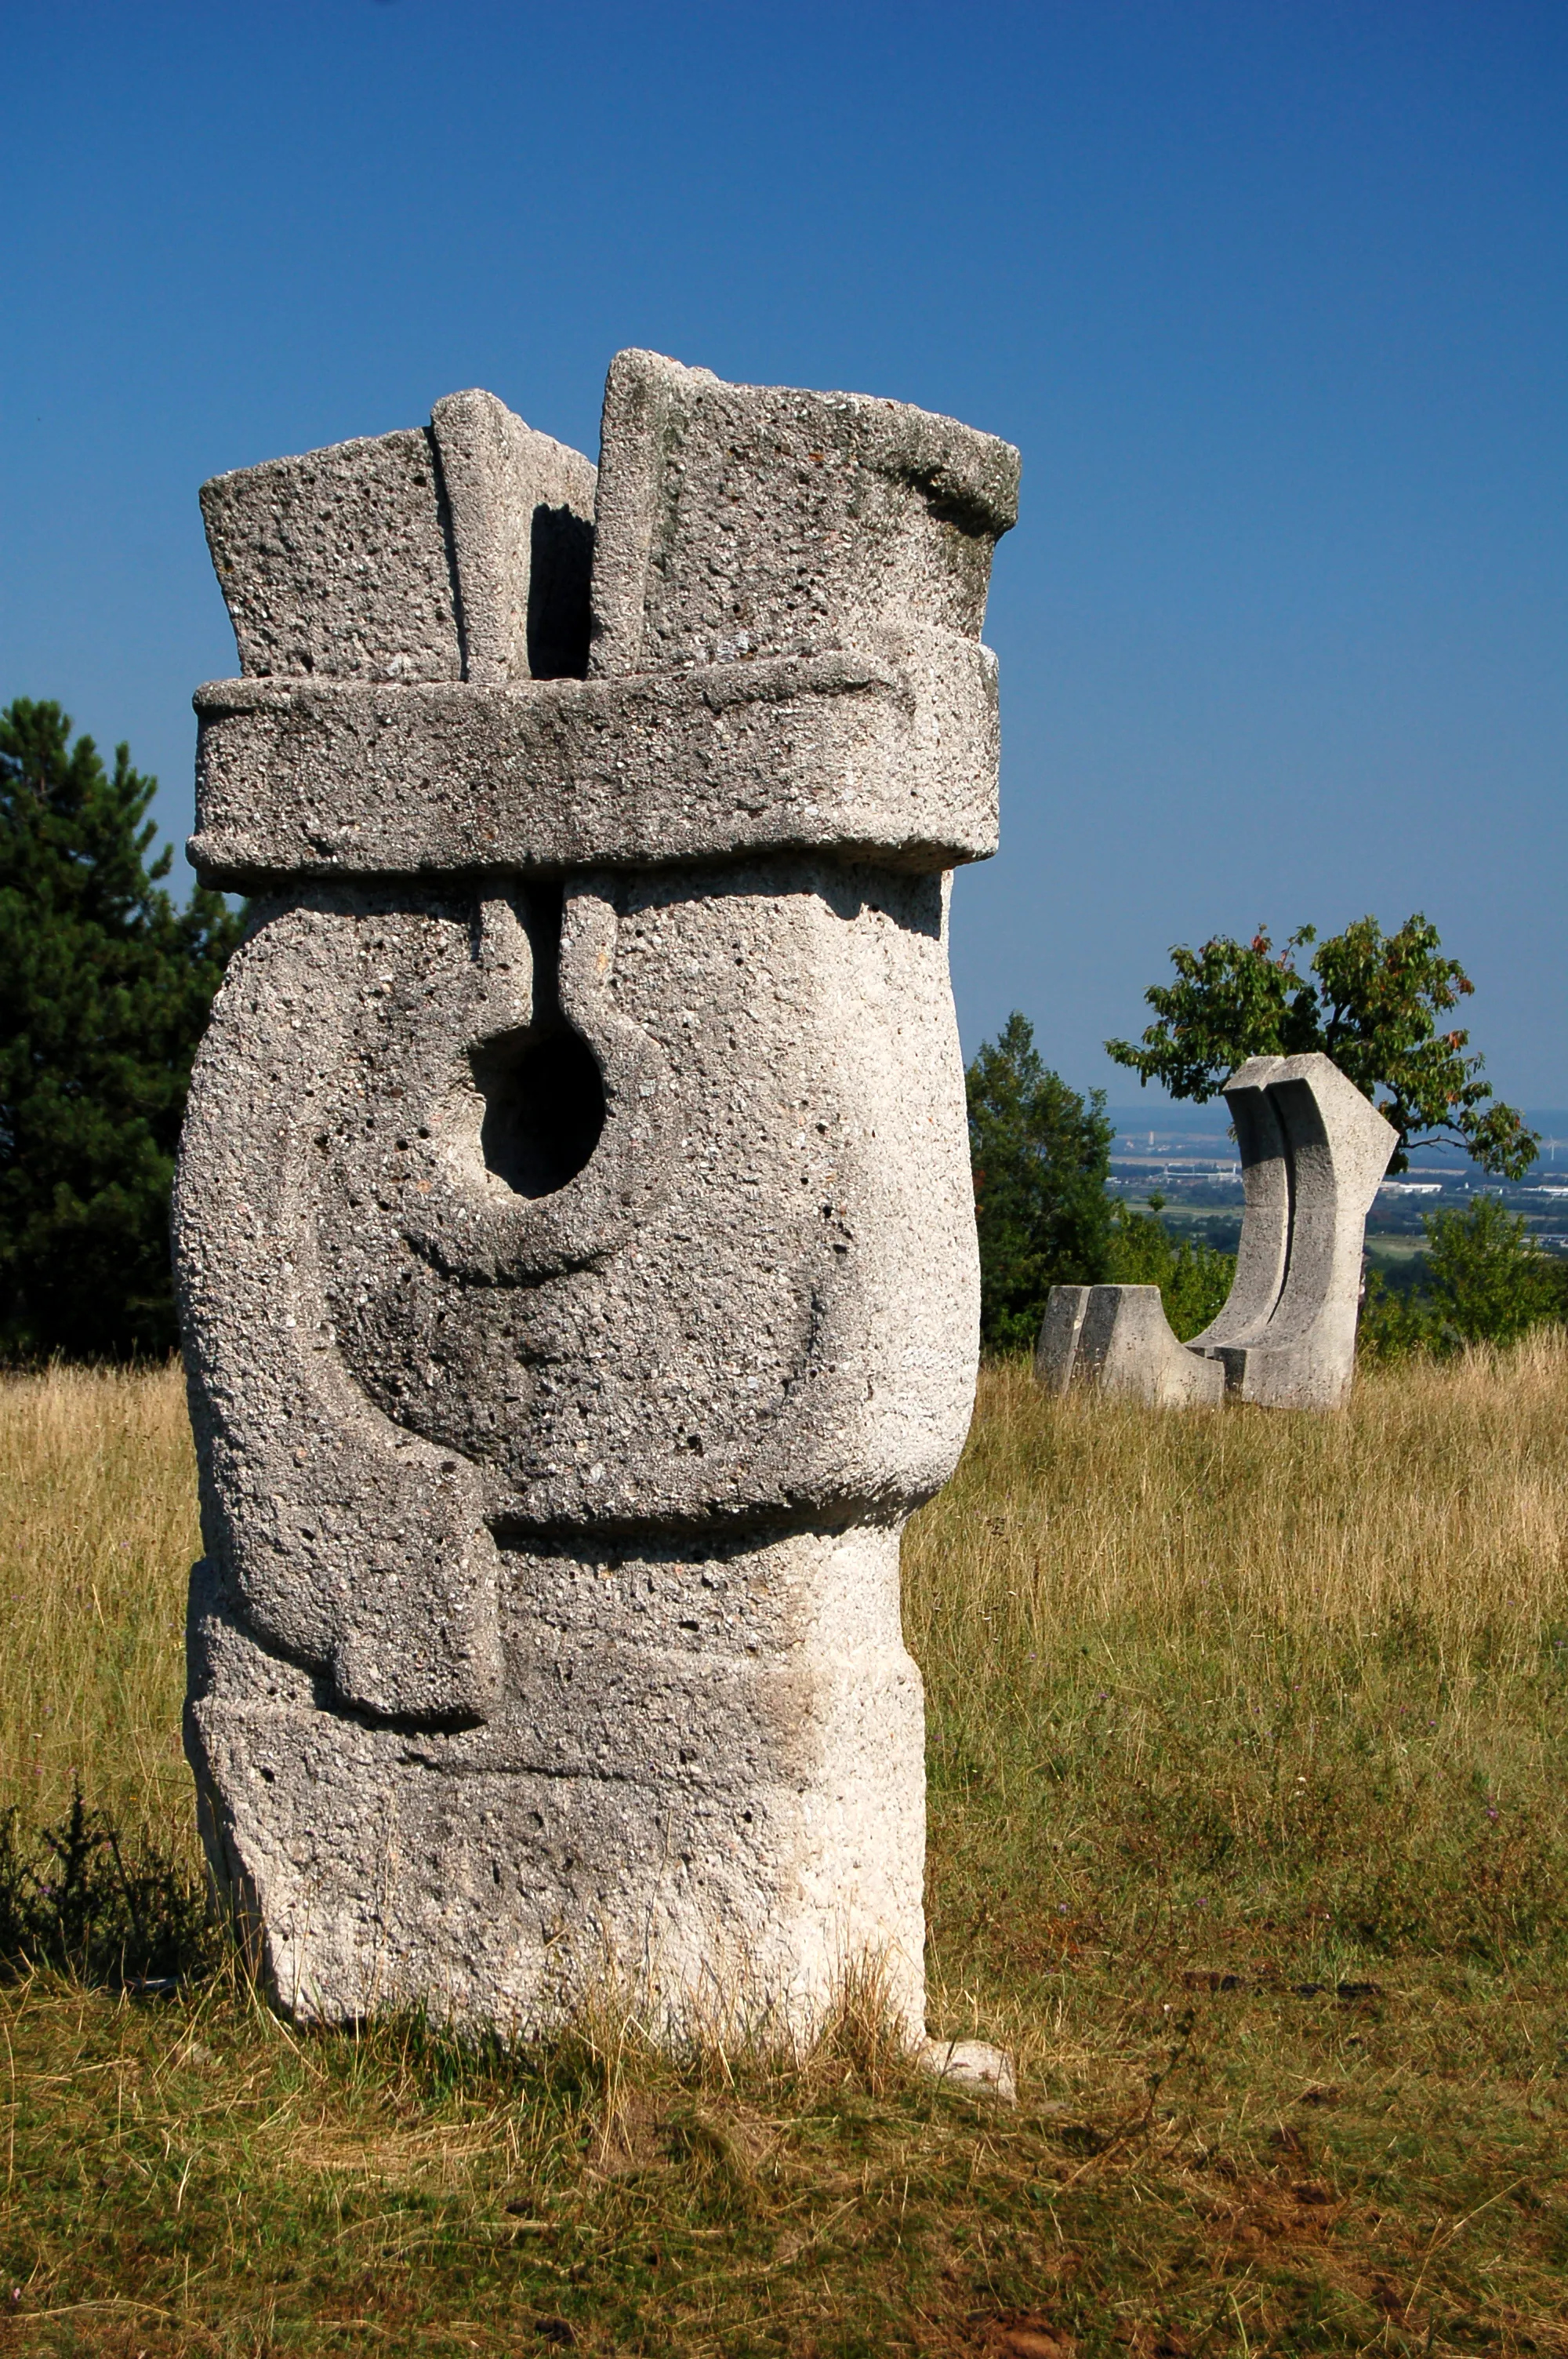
x=574 y=1222
x=1312 y=1153
x=1118 y=1339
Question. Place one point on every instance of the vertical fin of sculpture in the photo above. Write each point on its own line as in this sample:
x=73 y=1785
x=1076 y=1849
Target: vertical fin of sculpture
x=641 y=422
x=519 y=508
x=1264 y=1249
x=1056 y=1351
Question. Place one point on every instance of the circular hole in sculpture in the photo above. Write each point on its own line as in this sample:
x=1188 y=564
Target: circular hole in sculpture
x=544 y=1108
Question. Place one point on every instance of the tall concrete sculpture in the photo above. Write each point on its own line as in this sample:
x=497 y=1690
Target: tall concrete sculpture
x=1312 y=1152
x=574 y=1224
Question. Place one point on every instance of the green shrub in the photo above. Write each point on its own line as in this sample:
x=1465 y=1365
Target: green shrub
x=76 y=1899
x=1490 y=1283
x=1396 y=1323
x=1486 y=1282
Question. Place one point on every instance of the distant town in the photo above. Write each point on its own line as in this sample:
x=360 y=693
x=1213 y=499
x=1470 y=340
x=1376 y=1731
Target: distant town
x=1186 y=1156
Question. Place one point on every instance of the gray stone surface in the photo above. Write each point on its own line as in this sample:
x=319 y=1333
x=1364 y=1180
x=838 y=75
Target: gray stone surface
x=892 y=761
x=974 y=2066
x=1312 y=1152
x=1118 y=1339
x=574 y=1227
x=457 y=551
x=739 y=521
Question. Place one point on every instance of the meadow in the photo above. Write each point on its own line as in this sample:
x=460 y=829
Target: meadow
x=1246 y=1742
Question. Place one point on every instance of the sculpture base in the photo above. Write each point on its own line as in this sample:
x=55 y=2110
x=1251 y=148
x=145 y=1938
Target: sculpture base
x=704 y=1790
x=1118 y=1339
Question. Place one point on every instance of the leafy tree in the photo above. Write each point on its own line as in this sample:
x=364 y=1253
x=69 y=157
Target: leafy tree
x=1041 y=1155
x=1375 y=1007
x=1487 y=1282
x=104 y=989
x=1194 y=1278
x=1396 y=1323
x=1490 y=1282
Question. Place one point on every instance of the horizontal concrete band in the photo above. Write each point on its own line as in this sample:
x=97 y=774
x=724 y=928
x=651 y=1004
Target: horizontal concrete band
x=890 y=757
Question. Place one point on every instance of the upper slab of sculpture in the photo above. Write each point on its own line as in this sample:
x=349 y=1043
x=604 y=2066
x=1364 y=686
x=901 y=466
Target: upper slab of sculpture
x=574 y=1225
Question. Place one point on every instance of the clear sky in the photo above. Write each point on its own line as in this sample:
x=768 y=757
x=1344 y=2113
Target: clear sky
x=1270 y=294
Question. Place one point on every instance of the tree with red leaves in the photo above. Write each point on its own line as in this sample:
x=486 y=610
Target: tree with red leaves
x=1375 y=1006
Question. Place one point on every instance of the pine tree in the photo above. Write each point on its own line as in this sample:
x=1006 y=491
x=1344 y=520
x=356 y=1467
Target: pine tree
x=1041 y=1155
x=104 y=989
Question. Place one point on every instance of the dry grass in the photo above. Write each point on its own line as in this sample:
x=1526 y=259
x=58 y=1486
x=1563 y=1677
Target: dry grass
x=98 y=1533
x=1438 y=1498
x=1248 y=1736
x=1258 y=1670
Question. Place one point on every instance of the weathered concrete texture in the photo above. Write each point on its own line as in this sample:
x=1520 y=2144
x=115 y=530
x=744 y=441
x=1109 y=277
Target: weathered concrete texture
x=856 y=755
x=574 y=1227
x=1313 y=1152
x=457 y=551
x=704 y=1778
x=736 y=521
x=1118 y=1339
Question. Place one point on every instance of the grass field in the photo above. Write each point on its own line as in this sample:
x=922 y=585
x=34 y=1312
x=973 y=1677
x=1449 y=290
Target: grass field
x=1246 y=1755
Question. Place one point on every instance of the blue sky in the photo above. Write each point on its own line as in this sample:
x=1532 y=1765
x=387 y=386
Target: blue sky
x=1271 y=297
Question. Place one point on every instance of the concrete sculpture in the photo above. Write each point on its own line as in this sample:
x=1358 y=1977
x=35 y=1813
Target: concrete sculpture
x=1312 y=1152
x=574 y=1224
